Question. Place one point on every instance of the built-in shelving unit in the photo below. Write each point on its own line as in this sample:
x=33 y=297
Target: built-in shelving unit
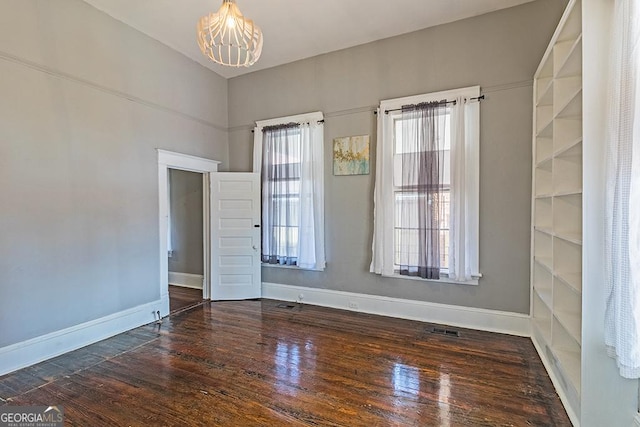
x=556 y=264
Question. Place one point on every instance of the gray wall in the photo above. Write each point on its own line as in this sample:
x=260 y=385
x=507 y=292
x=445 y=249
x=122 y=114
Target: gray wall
x=186 y=222
x=498 y=51
x=85 y=102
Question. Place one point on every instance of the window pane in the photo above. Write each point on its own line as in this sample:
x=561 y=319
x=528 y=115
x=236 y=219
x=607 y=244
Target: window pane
x=286 y=210
x=287 y=148
x=407 y=236
x=286 y=187
x=444 y=142
x=403 y=148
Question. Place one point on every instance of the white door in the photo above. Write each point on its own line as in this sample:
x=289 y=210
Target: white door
x=235 y=236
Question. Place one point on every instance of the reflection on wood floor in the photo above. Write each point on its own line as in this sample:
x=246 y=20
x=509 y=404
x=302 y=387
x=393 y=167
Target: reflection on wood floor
x=262 y=363
x=181 y=298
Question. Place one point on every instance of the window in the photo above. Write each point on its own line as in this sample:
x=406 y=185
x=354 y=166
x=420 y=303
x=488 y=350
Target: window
x=426 y=196
x=409 y=195
x=288 y=152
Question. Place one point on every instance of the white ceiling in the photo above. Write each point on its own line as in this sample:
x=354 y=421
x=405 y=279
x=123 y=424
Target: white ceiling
x=294 y=29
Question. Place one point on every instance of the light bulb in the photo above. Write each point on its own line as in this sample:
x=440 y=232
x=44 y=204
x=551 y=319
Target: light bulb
x=231 y=22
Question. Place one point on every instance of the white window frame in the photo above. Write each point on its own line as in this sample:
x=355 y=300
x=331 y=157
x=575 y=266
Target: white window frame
x=385 y=161
x=315 y=116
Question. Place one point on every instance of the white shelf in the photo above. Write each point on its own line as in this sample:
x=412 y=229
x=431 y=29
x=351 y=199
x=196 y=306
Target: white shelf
x=567 y=309
x=566 y=132
x=542 y=317
x=567 y=350
x=572 y=27
x=543 y=283
x=575 y=237
x=545 y=163
x=543 y=213
x=545 y=230
x=545 y=91
x=574 y=192
x=574 y=280
x=546 y=296
x=571 y=64
x=544 y=119
x=542 y=243
x=544 y=149
x=567 y=215
x=569 y=361
x=567 y=91
x=545 y=262
x=567 y=176
x=570 y=148
x=572 y=109
x=544 y=178
x=570 y=321
x=556 y=267
x=567 y=262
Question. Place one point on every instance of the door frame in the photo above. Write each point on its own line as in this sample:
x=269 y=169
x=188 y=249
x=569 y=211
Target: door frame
x=172 y=160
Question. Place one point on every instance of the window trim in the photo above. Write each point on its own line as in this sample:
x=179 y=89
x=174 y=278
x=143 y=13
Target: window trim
x=386 y=151
x=315 y=116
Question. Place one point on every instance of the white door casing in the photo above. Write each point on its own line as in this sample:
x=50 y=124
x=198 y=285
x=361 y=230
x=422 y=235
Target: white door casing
x=235 y=236
x=171 y=160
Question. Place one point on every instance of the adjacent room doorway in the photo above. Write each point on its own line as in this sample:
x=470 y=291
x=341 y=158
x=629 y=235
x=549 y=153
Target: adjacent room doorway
x=185 y=239
x=168 y=162
x=230 y=229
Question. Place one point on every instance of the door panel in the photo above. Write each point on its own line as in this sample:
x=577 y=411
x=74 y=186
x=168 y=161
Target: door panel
x=235 y=236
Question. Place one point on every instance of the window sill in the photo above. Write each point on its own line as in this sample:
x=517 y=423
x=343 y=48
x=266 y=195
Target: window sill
x=290 y=267
x=444 y=279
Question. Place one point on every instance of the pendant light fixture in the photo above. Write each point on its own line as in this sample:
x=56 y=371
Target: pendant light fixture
x=228 y=38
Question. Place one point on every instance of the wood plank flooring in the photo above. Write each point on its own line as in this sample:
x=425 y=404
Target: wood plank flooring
x=181 y=298
x=255 y=363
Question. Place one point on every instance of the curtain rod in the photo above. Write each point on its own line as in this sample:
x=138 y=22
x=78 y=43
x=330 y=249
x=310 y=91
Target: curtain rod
x=444 y=101
x=319 y=122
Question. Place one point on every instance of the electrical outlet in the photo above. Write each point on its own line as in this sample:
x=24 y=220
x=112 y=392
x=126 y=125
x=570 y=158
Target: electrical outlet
x=353 y=305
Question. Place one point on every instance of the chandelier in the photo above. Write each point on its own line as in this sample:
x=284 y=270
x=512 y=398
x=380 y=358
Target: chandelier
x=228 y=38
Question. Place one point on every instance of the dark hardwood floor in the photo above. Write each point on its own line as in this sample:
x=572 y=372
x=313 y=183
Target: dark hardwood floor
x=181 y=298
x=259 y=363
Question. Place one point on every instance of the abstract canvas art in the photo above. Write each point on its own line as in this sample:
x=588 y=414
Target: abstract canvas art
x=351 y=155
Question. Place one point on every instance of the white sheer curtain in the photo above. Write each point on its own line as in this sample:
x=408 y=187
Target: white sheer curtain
x=309 y=243
x=281 y=164
x=465 y=127
x=382 y=247
x=622 y=316
x=422 y=185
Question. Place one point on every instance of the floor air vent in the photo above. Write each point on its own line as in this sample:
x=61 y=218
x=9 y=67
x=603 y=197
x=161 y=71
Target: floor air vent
x=286 y=306
x=445 y=331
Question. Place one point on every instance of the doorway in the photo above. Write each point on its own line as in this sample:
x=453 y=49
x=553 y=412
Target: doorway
x=168 y=161
x=185 y=239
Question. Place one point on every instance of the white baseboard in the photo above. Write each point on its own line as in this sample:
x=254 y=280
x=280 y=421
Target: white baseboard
x=35 y=350
x=186 y=280
x=464 y=317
